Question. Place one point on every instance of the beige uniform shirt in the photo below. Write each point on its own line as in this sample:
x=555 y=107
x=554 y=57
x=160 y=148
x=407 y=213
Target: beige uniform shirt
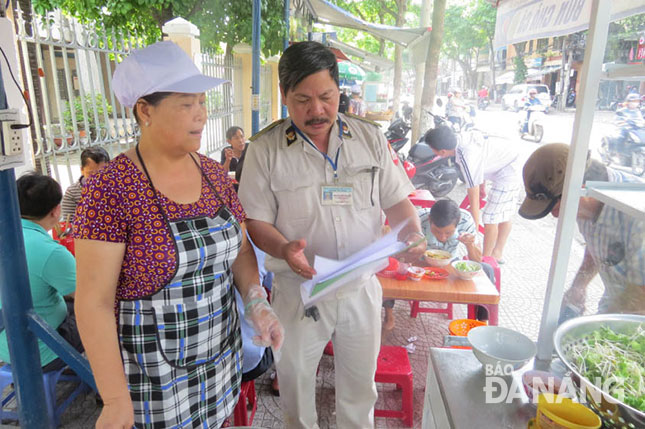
x=283 y=177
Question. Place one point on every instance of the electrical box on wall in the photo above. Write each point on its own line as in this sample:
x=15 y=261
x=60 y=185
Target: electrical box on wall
x=13 y=129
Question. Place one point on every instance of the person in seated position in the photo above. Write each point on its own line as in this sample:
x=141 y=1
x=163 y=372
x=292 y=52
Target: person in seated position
x=232 y=154
x=93 y=159
x=52 y=269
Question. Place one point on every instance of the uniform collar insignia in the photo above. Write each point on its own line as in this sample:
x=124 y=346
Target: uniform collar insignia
x=291 y=135
x=345 y=129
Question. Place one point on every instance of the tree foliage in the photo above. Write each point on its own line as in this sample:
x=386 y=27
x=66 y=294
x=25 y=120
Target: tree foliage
x=218 y=20
x=623 y=35
x=463 y=39
x=520 y=69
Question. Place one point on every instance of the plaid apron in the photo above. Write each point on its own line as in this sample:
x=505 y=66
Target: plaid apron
x=181 y=346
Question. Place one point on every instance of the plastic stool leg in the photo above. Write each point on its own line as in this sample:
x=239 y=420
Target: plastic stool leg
x=407 y=402
x=414 y=309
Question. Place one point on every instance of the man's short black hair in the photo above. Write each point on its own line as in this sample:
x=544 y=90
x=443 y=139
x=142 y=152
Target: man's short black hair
x=441 y=138
x=303 y=59
x=445 y=212
x=37 y=195
x=96 y=154
x=232 y=131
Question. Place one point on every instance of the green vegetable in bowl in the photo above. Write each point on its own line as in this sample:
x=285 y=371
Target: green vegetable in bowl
x=466 y=267
x=613 y=359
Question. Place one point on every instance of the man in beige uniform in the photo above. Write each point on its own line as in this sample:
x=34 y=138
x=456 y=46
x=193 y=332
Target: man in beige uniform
x=317 y=184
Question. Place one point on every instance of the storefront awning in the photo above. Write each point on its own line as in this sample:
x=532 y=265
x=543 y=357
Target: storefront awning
x=328 y=13
x=538 y=73
x=521 y=20
x=367 y=59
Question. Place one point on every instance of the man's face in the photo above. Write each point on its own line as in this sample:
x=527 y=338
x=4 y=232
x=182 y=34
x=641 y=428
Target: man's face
x=313 y=104
x=91 y=168
x=442 y=234
x=237 y=140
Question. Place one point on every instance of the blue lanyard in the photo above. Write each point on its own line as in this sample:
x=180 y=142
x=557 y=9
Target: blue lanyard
x=334 y=163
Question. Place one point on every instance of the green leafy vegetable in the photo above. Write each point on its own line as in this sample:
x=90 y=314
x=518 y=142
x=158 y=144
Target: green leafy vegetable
x=607 y=358
x=466 y=267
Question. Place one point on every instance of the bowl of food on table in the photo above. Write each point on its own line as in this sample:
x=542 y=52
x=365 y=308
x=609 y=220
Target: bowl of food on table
x=416 y=273
x=466 y=270
x=437 y=258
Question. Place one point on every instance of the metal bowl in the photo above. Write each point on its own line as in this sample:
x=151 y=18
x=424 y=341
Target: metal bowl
x=614 y=413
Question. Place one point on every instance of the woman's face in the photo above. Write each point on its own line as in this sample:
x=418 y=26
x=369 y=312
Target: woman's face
x=237 y=140
x=178 y=120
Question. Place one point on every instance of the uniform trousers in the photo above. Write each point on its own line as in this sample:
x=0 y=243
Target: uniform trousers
x=352 y=320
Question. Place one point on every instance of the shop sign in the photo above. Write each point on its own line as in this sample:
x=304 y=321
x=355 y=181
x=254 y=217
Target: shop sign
x=521 y=20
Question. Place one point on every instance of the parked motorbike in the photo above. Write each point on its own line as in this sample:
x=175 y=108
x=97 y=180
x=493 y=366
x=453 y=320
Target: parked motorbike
x=535 y=126
x=437 y=174
x=397 y=133
x=625 y=146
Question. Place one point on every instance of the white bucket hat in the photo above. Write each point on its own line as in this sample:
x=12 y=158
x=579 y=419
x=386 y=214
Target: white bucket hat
x=161 y=67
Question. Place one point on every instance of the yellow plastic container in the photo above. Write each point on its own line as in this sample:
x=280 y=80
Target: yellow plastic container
x=556 y=412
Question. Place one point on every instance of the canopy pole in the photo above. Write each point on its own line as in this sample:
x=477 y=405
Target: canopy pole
x=255 y=79
x=287 y=24
x=590 y=79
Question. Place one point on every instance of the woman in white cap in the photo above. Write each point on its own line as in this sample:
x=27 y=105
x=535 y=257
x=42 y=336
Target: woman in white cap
x=356 y=104
x=159 y=238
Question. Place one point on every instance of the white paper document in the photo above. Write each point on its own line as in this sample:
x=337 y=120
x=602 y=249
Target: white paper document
x=332 y=275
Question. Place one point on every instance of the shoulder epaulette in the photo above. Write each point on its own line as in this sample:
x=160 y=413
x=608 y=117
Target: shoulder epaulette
x=361 y=118
x=266 y=129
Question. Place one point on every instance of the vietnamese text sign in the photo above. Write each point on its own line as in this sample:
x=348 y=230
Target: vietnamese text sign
x=521 y=20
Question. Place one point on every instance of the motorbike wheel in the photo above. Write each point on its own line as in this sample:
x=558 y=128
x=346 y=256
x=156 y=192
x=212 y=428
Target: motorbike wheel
x=638 y=163
x=442 y=189
x=538 y=133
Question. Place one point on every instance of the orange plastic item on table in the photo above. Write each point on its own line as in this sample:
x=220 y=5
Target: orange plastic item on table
x=391 y=270
x=460 y=328
x=436 y=273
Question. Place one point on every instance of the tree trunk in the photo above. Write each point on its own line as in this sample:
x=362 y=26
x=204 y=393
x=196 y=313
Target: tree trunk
x=432 y=62
x=493 y=91
x=398 y=58
x=418 y=80
x=567 y=55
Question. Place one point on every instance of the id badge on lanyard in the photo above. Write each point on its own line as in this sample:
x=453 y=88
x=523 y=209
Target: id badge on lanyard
x=336 y=195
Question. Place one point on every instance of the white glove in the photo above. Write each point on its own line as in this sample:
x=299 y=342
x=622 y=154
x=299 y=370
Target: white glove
x=259 y=313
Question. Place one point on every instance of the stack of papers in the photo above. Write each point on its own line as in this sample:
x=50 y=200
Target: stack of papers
x=332 y=275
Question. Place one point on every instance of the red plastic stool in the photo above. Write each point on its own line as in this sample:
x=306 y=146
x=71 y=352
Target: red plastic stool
x=247 y=399
x=393 y=366
x=415 y=309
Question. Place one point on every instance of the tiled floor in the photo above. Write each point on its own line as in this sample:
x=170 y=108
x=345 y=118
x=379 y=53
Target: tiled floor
x=524 y=277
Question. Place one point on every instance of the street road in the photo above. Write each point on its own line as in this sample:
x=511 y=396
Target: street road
x=558 y=127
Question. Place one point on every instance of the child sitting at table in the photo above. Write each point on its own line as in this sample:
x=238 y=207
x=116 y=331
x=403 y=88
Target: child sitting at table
x=449 y=228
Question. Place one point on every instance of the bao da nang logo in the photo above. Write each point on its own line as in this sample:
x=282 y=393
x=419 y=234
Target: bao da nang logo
x=499 y=387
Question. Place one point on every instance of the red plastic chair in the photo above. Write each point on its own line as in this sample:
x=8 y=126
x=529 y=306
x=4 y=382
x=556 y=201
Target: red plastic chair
x=493 y=309
x=247 y=400
x=393 y=366
x=465 y=204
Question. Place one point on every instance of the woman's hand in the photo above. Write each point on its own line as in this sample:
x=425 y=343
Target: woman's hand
x=117 y=414
x=259 y=313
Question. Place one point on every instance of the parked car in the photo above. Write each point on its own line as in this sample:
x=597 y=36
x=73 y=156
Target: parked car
x=517 y=96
